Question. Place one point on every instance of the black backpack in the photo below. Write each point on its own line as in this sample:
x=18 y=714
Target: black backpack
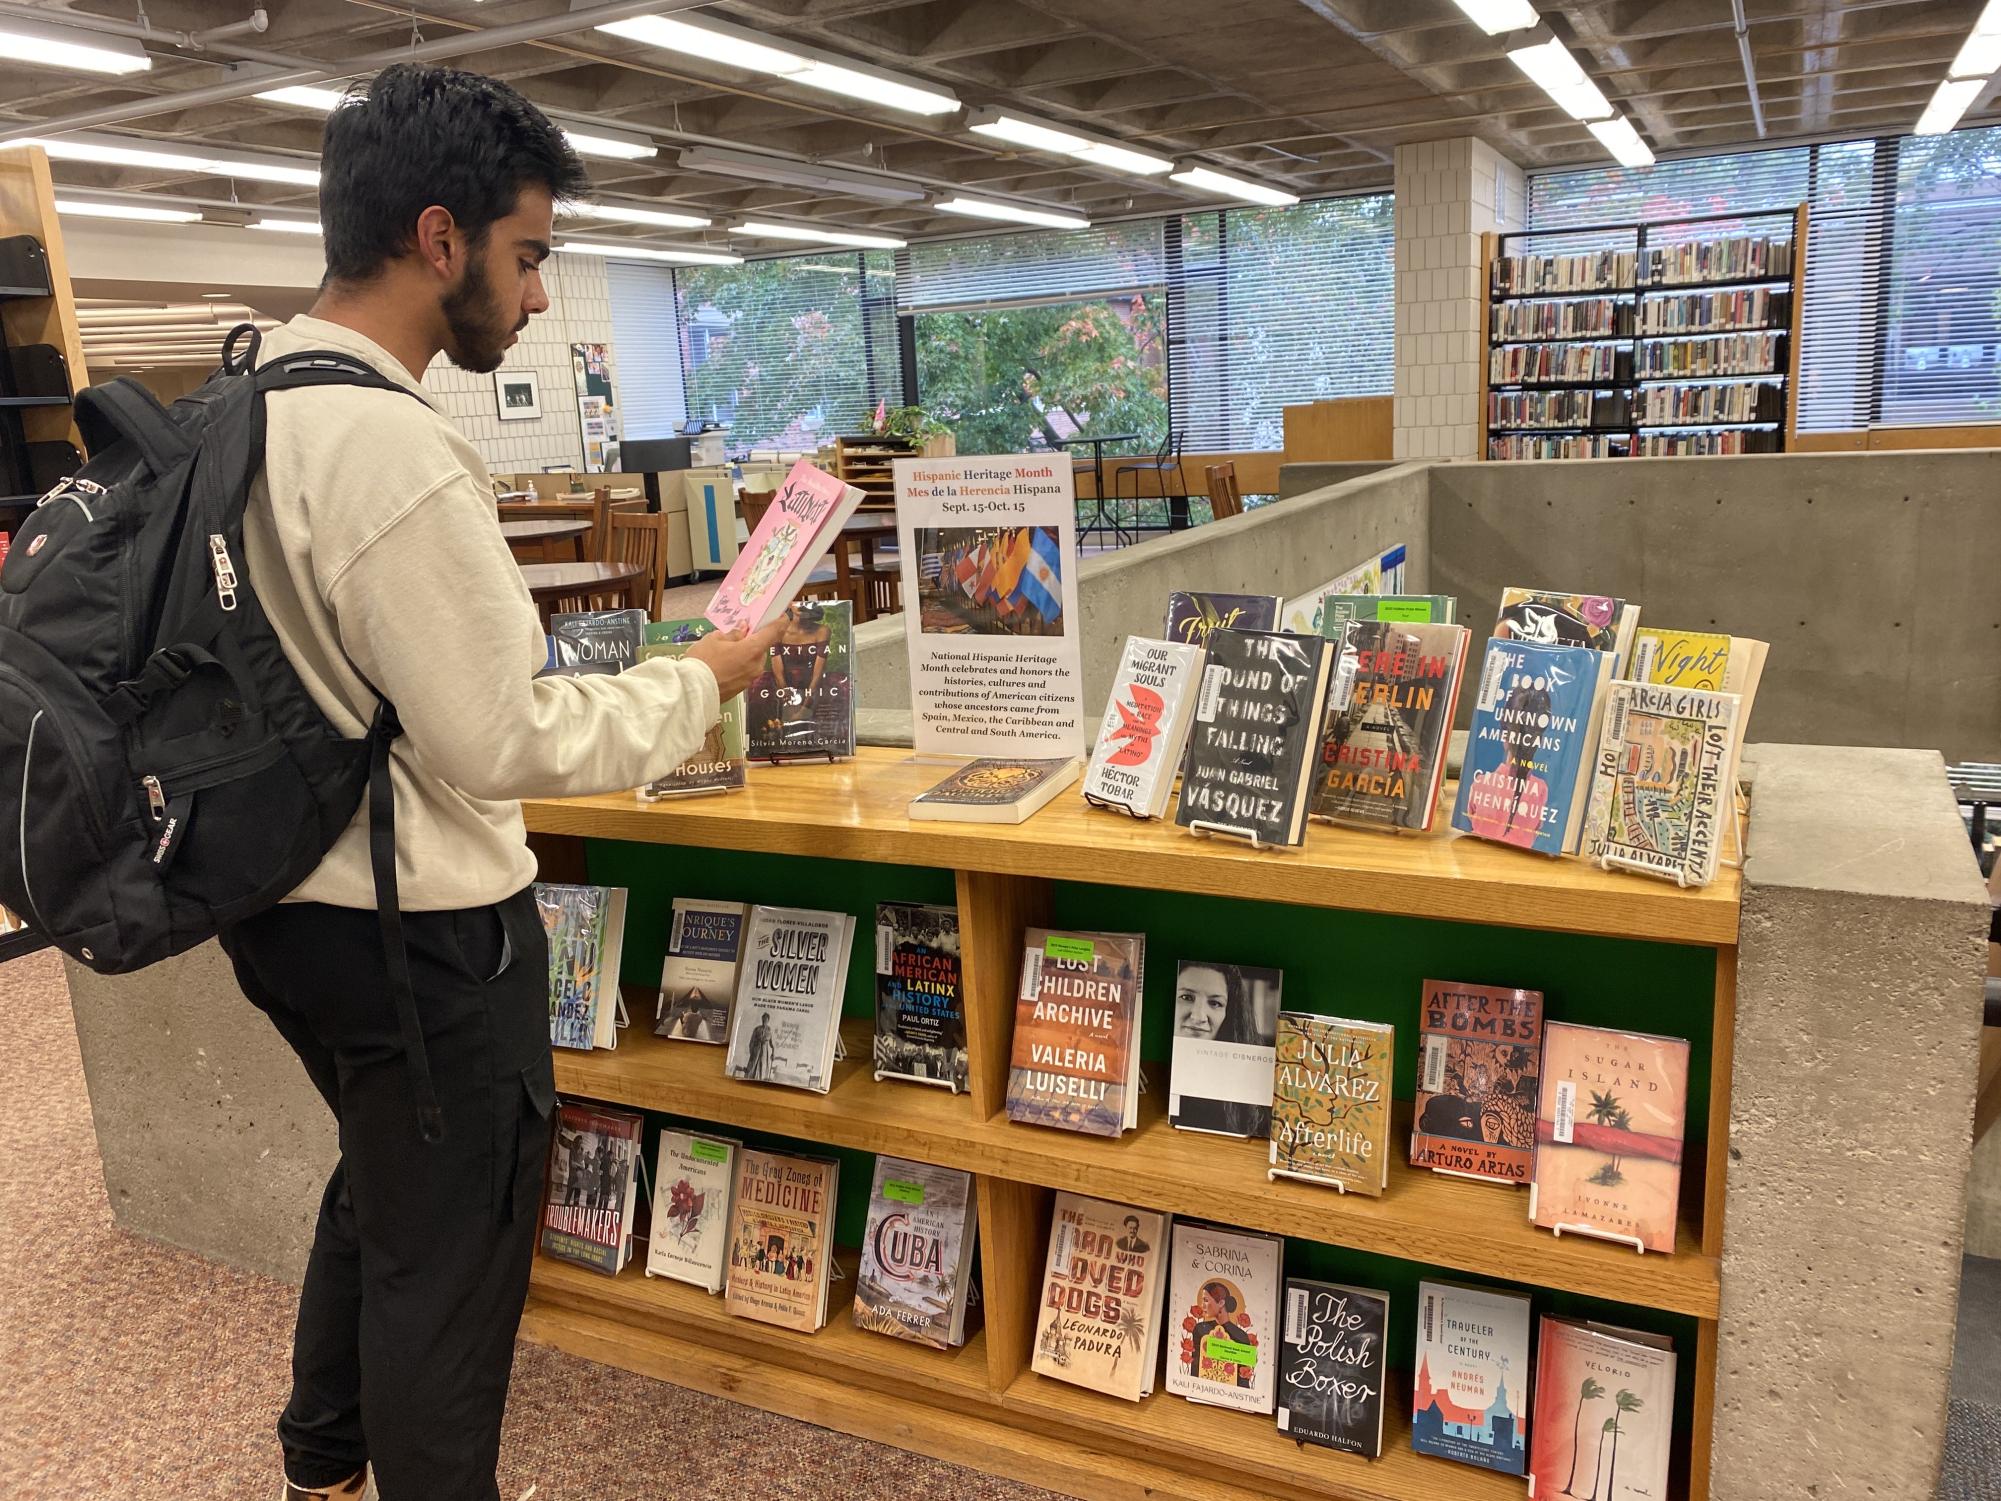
x=163 y=772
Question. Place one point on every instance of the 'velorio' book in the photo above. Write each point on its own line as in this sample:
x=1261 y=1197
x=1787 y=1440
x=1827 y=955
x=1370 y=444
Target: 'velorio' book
x=1604 y=1413
x=920 y=1007
x=1098 y=1324
x=1528 y=755
x=1336 y=610
x=593 y=1186
x=594 y=641
x=1076 y=1032
x=795 y=532
x=1193 y=614
x=1661 y=798
x=786 y=1022
x=1389 y=721
x=1479 y=1063
x=1225 y=1021
x=781 y=1243
x=1223 y=1301
x=1330 y=1101
x=699 y=976
x=1609 y=1134
x=1253 y=758
x=586 y=930
x=917 y=1254
x=990 y=791
x=1470 y=1399
x=1145 y=729
x=1331 y=1366
x=803 y=705
x=692 y=1183
x=1551 y=618
x=719 y=765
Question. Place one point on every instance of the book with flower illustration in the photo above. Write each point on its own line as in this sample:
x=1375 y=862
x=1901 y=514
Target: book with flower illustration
x=1330 y=1101
x=1609 y=1134
x=1604 y=1413
x=1076 y=1032
x=1478 y=1062
x=1222 y=1297
x=791 y=538
x=691 y=1207
x=718 y=765
x=1098 y=1320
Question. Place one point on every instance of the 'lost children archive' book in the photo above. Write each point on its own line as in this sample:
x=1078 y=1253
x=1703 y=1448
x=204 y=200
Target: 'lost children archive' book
x=1076 y=1032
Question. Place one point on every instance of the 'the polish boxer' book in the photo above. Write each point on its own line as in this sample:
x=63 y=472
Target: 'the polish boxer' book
x=1332 y=1366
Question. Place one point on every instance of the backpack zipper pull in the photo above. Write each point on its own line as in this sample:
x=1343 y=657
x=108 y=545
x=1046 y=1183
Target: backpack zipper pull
x=225 y=571
x=156 y=797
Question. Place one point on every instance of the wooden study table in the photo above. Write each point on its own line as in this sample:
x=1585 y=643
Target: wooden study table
x=545 y=536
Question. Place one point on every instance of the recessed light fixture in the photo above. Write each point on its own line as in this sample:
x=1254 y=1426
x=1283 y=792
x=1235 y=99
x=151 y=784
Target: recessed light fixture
x=999 y=125
x=651 y=253
x=1619 y=138
x=620 y=213
x=1209 y=180
x=1497 y=16
x=1556 y=72
x=1951 y=99
x=287 y=226
x=65 y=47
x=758 y=229
x=84 y=209
x=1014 y=213
x=118 y=151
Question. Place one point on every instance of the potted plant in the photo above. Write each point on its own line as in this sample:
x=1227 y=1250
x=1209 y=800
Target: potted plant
x=931 y=438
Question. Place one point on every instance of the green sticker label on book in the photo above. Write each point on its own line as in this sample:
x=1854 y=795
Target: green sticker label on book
x=1215 y=1347
x=1409 y=611
x=1076 y=950
x=709 y=1151
x=902 y=1192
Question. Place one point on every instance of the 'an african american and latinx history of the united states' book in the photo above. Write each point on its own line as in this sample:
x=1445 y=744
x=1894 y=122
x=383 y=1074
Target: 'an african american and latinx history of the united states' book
x=692 y=1184
x=1389 y=721
x=1604 y=1413
x=698 y=979
x=1075 y=1062
x=989 y=549
x=920 y=1008
x=1099 y=1324
x=1148 y=715
x=586 y=930
x=917 y=1254
x=1330 y=1101
x=1192 y=615
x=786 y=1022
x=1661 y=796
x=781 y=1243
x=1222 y=1306
x=1333 y=1365
x=792 y=536
x=1470 y=1398
x=1528 y=754
x=1253 y=758
x=593 y=1186
x=1479 y=1064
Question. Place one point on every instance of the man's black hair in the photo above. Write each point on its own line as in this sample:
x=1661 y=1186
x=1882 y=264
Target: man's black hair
x=423 y=135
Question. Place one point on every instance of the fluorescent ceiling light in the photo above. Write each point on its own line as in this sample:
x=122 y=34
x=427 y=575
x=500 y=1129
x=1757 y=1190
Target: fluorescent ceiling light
x=1555 y=70
x=1208 y=180
x=649 y=253
x=1497 y=16
x=302 y=96
x=288 y=226
x=624 y=148
x=619 y=213
x=1619 y=138
x=758 y=229
x=1001 y=126
x=757 y=167
x=1981 y=53
x=982 y=208
x=117 y=151
x=1953 y=98
x=877 y=88
x=85 y=210
x=63 y=47
x=718 y=45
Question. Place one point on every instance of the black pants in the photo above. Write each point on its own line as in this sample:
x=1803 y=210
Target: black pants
x=419 y=1266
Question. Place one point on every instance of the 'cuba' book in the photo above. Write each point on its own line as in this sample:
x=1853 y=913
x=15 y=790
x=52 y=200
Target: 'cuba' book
x=1604 y=1413
x=803 y=703
x=1661 y=797
x=1222 y=1290
x=920 y=1010
x=699 y=974
x=1396 y=689
x=1470 y=1399
x=593 y=1186
x=586 y=931
x=1528 y=755
x=1193 y=614
x=1331 y=1366
x=1148 y=715
x=1076 y=1032
x=1330 y=1102
x=1253 y=757
x=1478 y=1067
x=917 y=1254
x=1099 y=1323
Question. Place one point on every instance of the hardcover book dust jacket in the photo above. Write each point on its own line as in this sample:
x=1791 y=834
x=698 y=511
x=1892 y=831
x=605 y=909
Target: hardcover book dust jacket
x=1470 y=1399
x=781 y=1238
x=1331 y=1371
x=1099 y=1323
x=1076 y=1023
x=917 y=1253
x=1330 y=1101
x=1604 y=1413
x=920 y=1009
x=1222 y=1304
x=1479 y=1068
x=1389 y=721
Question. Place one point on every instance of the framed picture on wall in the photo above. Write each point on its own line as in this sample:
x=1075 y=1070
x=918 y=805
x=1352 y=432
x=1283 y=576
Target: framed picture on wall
x=517 y=394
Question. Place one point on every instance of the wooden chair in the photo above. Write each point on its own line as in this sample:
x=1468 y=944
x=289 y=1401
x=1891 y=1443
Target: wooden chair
x=1225 y=499
x=641 y=537
x=598 y=538
x=752 y=504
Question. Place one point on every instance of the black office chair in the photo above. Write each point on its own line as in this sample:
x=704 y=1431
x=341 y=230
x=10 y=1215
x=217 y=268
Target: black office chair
x=1166 y=461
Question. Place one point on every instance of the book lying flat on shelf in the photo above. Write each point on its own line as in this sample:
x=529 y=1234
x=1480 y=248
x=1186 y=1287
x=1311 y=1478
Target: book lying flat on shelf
x=1389 y=722
x=803 y=704
x=596 y=641
x=1550 y=618
x=1098 y=1321
x=1609 y=1134
x=786 y=1020
x=1332 y=1366
x=1225 y=1025
x=1254 y=757
x=586 y=930
x=1223 y=1297
x=1330 y=1101
x=692 y=1184
x=1604 y=1413
x=1076 y=1032
x=1148 y=715
x=593 y=1186
x=917 y=1254
x=1192 y=615
x=1661 y=797
x=1478 y=1065
x=793 y=535
x=699 y=977
x=1404 y=609
x=996 y=791
x=1528 y=754
x=1470 y=1399
x=781 y=1242
x=718 y=766
x=920 y=1009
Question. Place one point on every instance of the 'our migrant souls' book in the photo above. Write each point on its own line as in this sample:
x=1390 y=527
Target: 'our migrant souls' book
x=1076 y=1032
x=1148 y=715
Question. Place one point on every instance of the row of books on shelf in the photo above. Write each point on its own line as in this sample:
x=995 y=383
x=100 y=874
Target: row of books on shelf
x=1580 y=318
x=1667 y=445
x=1715 y=312
x=1744 y=401
x=1519 y=364
x=1632 y=445
x=1559 y=408
x=1738 y=401
x=1746 y=308
x=1737 y=258
x=1614 y=364
x=1756 y=353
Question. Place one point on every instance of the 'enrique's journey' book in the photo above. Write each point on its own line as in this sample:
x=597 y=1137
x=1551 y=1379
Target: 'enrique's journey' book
x=1225 y=1024
x=1193 y=614
x=1148 y=715
x=917 y=1254
x=1661 y=797
x=1528 y=755
x=593 y=1186
x=1253 y=758
x=718 y=765
x=802 y=705
x=1098 y=1325
x=692 y=1183
x=1331 y=1366
x=786 y=1022
x=1222 y=1303
x=1479 y=1061
x=1076 y=1032
x=990 y=791
x=794 y=533
x=699 y=976
x=1609 y=1134
x=920 y=1010
x=1604 y=1413
x=1470 y=1399
x=1389 y=721
x=1330 y=1101
x=781 y=1244
x=586 y=929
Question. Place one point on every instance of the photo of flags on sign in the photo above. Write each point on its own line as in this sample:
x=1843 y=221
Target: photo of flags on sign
x=990 y=580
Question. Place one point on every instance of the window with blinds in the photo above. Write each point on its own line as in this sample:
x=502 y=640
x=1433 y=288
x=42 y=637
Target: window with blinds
x=1019 y=268
x=646 y=343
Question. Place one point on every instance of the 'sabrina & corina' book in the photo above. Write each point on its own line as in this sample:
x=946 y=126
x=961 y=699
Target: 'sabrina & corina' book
x=1389 y=721
x=1076 y=1032
x=1254 y=755
x=1604 y=1413
x=593 y=1186
x=917 y=1253
x=1098 y=1324
x=1332 y=1366
x=1470 y=1401
x=1222 y=1305
x=1479 y=1064
x=920 y=1009
x=781 y=1245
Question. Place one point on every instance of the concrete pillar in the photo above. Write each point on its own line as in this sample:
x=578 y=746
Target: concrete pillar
x=1448 y=193
x=1851 y=1117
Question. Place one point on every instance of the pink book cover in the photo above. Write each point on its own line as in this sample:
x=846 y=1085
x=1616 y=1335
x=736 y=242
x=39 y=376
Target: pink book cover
x=791 y=537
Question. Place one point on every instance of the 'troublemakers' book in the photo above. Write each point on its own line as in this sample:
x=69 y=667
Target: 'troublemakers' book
x=786 y=1022
x=1526 y=780
x=593 y=1186
x=1222 y=1298
x=920 y=1007
x=1148 y=715
x=1332 y=1366
x=691 y=1208
x=917 y=1254
x=1470 y=1401
x=1254 y=756
x=795 y=532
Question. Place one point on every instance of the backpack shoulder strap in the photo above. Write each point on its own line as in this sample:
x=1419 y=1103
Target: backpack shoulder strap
x=324 y=367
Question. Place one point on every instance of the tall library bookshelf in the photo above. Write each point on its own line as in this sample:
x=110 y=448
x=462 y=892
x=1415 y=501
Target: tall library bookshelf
x=41 y=349
x=1356 y=921
x=1675 y=337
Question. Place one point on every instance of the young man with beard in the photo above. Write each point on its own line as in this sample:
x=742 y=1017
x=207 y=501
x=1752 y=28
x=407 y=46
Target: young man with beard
x=372 y=541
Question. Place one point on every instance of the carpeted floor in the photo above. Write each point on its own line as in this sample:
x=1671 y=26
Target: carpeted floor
x=128 y=1368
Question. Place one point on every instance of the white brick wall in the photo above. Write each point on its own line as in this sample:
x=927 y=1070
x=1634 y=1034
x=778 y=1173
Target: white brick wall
x=1447 y=194
x=579 y=313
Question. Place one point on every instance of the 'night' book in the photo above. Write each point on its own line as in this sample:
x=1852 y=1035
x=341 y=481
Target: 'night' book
x=1222 y=1303
x=920 y=1009
x=1470 y=1399
x=699 y=976
x=1389 y=721
x=1479 y=1061
x=1253 y=758
x=593 y=1186
x=1528 y=755
x=1604 y=1413
x=1098 y=1324
x=1332 y=1366
x=1330 y=1101
x=1148 y=715
x=1076 y=1032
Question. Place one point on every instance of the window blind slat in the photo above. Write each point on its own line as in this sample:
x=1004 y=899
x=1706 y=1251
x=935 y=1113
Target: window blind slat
x=646 y=343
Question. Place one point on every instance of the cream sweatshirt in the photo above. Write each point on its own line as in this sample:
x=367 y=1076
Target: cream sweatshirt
x=372 y=542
